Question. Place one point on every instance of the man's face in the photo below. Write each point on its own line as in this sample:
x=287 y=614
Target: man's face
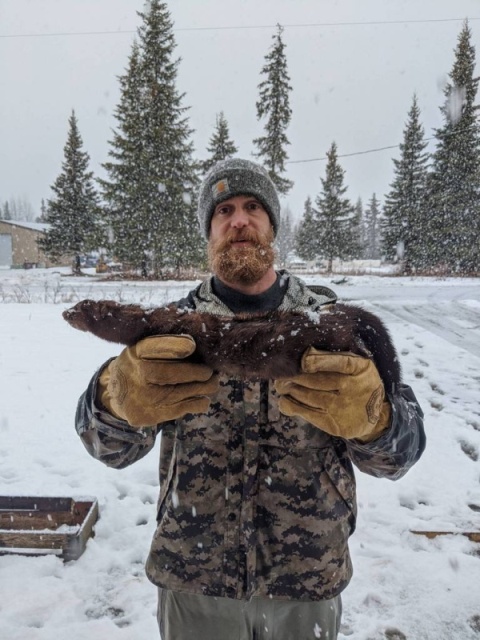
x=240 y=244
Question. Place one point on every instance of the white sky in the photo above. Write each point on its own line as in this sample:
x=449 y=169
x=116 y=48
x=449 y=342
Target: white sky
x=351 y=83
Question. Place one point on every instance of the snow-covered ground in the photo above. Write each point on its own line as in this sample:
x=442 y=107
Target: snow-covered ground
x=405 y=585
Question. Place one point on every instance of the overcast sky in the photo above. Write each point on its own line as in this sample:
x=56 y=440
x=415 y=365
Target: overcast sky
x=353 y=79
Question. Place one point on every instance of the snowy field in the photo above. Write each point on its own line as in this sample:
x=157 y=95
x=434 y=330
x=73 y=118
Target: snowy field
x=404 y=586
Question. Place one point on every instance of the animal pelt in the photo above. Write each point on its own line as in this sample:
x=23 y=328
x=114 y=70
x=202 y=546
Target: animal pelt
x=267 y=345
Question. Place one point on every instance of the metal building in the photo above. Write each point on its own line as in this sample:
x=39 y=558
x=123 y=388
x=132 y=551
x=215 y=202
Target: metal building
x=18 y=244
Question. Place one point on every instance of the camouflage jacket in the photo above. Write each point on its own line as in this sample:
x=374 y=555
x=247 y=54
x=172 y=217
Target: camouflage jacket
x=253 y=502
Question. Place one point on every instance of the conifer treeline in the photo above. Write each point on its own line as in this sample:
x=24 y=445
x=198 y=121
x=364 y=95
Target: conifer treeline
x=143 y=212
x=430 y=221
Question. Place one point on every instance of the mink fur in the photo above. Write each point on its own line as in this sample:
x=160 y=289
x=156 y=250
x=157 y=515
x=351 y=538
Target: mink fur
x=267 y=345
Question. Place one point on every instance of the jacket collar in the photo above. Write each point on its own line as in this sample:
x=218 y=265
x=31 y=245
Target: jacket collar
x=298 y=297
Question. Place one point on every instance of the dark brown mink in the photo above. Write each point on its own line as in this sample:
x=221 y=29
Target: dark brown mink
x=253 y=346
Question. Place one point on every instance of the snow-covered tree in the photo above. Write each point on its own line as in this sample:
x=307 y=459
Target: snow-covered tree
x=43 y=212
x=221 y=147
x=334 y=215
x=274 y=105
x=73 y=212
x=372 y=229
x=305 y=241
x=122 y=190
x=151 y=175
x=405 y=219
x=358 y=223
x=285 y=240
x=19 y=208
x=6 y=214
x=454 y=184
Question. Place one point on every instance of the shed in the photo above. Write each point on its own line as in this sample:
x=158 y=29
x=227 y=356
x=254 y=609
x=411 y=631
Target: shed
x=18 y=244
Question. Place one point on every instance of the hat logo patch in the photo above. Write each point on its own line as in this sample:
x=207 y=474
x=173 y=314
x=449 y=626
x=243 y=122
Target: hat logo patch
x=220 y=187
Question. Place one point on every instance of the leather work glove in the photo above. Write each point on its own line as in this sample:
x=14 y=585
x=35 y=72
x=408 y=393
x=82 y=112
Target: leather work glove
x=340 y=393
x=149 y=383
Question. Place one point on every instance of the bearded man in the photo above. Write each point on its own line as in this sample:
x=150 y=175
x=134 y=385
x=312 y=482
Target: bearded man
x=257 y=490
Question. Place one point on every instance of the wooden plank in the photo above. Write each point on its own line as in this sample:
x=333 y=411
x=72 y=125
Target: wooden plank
x=473 y=536
x=34 y=519
x=32 y=540
x=34 y=503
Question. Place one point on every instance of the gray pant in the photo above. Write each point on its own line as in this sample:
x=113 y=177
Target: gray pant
x=185 y=616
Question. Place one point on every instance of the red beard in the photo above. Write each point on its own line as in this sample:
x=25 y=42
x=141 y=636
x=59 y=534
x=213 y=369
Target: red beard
x=242 y=264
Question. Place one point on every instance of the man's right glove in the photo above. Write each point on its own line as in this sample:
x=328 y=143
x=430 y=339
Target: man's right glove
x=150 y=383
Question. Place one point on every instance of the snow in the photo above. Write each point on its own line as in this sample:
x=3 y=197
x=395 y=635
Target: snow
x=425 y=589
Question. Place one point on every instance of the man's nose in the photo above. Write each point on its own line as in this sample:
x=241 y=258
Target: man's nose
x=239 y=219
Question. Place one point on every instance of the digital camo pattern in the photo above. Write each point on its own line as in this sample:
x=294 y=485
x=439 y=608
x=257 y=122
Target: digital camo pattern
x=252 y=502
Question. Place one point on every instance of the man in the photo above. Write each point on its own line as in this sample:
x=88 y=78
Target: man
x=257 y=491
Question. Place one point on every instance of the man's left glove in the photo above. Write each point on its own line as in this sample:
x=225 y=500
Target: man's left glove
x=340 y=393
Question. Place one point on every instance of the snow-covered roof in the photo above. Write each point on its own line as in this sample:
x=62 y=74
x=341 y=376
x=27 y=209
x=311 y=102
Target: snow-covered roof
x=35 y=226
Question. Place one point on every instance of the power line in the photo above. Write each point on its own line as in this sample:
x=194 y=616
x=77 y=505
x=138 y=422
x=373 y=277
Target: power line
x=344 y=155
x=238 y=28
x=348 y=155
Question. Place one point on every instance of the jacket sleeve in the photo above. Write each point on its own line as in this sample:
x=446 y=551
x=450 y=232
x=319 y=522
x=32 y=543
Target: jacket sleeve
x=106 y=438
x=396 y=450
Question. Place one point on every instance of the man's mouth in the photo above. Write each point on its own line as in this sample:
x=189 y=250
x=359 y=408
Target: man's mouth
x=241 y=242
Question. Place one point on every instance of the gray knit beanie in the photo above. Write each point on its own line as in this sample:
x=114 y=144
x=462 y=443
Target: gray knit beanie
x=236 y=177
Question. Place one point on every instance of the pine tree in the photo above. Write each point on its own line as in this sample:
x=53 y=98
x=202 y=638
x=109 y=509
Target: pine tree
x=274 y=104
x=372 y=229
x=6 y=211
x=122 y=191
x=305 y=239
x=152 y=175
x=285 y=240
x=43 y=212
x=20 y=208
x=454 y=184
x=334 y=215
x=220 y=147
x=405 y=220
x=73 y=212
x=358 y=223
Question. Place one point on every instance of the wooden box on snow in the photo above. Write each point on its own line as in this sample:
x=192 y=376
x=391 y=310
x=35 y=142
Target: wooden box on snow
x=38 y=526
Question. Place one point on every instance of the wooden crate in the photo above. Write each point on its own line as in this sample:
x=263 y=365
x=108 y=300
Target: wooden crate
x=39 y=526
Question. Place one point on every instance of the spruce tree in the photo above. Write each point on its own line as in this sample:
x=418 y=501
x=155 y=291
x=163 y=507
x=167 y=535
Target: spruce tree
x=274 y=105
x=285 y=240
x=372 y=229
x=122 y=190
x=334 y=215
x=6 y=211
x=305 y=238
x=358 y=223
x=454 y=184
x=405 y=220
x=43 y=212
x=73 y=212
x=152 y=176
x=220 y=147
